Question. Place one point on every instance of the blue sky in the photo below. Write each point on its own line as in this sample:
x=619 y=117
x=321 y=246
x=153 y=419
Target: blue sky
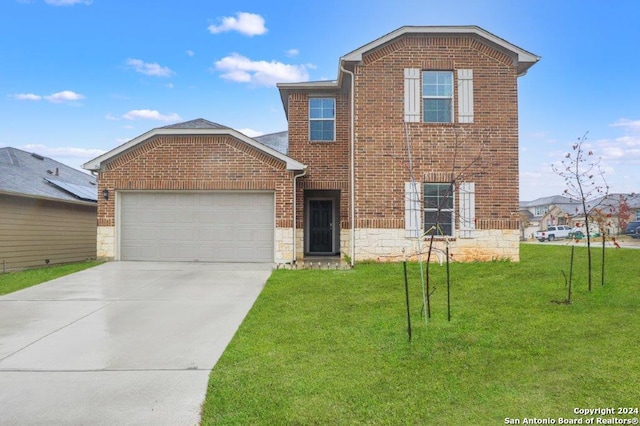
x=80 y=77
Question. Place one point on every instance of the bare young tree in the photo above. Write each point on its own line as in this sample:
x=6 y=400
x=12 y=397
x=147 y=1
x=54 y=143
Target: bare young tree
x=584 y=181
x=462 y=166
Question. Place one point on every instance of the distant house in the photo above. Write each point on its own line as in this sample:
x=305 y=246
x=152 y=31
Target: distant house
x=47 y=211
x=537 y=214
x=606 y=213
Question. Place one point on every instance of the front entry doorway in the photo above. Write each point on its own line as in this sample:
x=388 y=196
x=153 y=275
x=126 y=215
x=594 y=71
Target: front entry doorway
x=321 y=226
x=322 y=223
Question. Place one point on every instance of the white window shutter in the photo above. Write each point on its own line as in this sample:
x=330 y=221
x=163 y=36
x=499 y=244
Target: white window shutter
x=412 y=95
x=411 y=210
x=465 y=96
x=467 y=209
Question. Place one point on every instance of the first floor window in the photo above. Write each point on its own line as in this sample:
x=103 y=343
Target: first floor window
x=322 y=119
x=437 y=96
x=438 y=209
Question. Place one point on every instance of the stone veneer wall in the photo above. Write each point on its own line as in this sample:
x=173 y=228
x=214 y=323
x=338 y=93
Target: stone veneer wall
x=106 y=244
x=388 y=245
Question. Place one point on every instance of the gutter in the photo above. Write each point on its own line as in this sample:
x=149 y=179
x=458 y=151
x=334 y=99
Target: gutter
x=295 y=209
x=352 y=165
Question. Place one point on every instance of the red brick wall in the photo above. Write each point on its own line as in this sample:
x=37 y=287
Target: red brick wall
x=328 y=161
x=196 y=163
x=491 y=141
x=381 y=149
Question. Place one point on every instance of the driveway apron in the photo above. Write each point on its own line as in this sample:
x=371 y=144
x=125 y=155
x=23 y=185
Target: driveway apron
x=121 y=343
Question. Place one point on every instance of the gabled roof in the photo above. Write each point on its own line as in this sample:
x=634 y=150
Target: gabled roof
x=198 y=123
x=198 y=126
x=546 y=201
x=522 y=58
x=32 y=175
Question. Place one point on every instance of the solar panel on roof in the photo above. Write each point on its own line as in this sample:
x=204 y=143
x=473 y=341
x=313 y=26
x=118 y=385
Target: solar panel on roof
x=88 y=193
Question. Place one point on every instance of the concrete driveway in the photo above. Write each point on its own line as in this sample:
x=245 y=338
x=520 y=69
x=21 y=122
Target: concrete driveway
x=121 y=343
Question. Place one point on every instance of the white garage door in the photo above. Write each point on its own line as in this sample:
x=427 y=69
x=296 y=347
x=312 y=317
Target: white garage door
x=197 y=226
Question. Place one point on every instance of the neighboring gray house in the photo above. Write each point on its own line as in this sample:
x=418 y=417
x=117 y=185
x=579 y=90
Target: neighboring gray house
x=47 y=211
x=540 y=213
x=534 y=215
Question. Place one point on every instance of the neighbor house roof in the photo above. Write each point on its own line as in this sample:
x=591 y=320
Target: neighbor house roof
x=278 y=141
x=26 y=174
x=198 y=126
x=546 y=201
x=522 y=59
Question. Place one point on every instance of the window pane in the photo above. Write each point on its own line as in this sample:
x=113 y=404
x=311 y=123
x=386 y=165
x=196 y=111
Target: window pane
x=327 y=130
x=438 y=196
x=321 y=130
x=328 y=106
x=315 y=112
x=438 y=224
x=437 y=110
x=315 y=133
x=445 y=83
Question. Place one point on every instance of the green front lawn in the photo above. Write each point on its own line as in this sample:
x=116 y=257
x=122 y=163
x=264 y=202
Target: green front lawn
x=330 y=347
x=14 y=281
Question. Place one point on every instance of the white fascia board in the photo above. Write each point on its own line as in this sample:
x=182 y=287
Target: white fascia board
x=524 y=57
x=96 y=163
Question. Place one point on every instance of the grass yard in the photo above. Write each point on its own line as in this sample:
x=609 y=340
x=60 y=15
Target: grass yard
x=14 y=281
x=331 y=347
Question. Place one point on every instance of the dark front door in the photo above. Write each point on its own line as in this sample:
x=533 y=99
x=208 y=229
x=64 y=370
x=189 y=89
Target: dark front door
x=321 y=235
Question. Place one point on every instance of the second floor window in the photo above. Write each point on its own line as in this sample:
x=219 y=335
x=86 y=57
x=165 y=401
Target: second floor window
x=437 y=96
x=542 y=210
x=322 y=119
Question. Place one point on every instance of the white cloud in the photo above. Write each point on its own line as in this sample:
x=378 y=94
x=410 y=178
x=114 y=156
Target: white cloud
x=64 y=96
x=190 y=53
x=250 y=132
x=246 y=23
x=148 y=68
x=292 y=52
x=633 y=125
x=147 y=114
x=56 y=98
x=238 y=68
x=26 y=97
x=67 y=2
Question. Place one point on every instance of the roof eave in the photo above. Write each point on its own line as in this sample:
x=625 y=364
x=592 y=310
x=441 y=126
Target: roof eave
x=96 y=164
x=286 y=89
x=43 y=197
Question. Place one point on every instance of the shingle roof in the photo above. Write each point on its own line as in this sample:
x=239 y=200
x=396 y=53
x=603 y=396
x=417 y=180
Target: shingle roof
x=545 y=201
x=275 y=144
x=31 y=174
x=198 y=123
x=278 y=141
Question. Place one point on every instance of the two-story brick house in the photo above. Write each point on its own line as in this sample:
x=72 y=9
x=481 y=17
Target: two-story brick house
x=417 y=135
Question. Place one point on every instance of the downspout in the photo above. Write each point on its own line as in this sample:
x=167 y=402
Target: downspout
x=295 y=209
x=352 y=163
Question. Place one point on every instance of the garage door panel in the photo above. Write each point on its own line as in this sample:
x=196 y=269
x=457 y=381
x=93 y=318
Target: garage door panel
x=208 y=226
